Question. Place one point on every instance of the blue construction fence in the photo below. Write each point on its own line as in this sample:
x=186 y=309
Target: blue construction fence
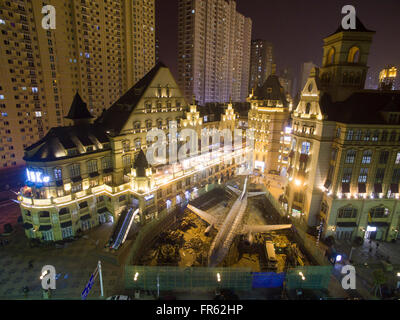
x=175 y=278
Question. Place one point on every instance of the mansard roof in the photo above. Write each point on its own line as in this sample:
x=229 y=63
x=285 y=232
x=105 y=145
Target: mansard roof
x=271 y=90
x=115 y=118
x=54 y=145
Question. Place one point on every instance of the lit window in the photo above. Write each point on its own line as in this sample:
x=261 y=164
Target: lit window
x=398 y=158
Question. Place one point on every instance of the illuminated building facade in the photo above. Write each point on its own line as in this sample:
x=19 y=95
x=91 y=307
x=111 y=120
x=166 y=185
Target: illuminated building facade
x=84 y=174
x=101 y=48
x=345 y=159
x=261 y=62
x=387 y=78
x=214 y=42
x=269 y=118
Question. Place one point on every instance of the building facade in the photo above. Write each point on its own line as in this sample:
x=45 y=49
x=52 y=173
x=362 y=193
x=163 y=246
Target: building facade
x=387 y=78
x=99 y=48
x=82 y=175
x=306 y=68
x=345 y=158
x=213 y=51
x=261 y=62
x=269 y=118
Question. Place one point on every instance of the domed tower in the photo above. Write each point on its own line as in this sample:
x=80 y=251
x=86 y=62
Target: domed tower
x=78 y=113
x=344 y=66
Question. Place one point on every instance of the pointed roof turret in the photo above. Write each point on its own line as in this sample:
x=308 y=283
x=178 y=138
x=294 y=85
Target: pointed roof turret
x=78 y=109
x=359 y=28
x=141 y=164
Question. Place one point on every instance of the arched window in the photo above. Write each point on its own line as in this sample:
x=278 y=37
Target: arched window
x=137 y=125
x=351 y=156
x=64 y=211
x=138 y=143
x=347 y=213
x=149 y=124
x=367 y=157
x=331 y=56
x=148 y=106
x=159 y=123
x=354 y=55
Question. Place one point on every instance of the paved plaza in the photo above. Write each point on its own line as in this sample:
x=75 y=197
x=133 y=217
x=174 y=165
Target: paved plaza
x=74 y=265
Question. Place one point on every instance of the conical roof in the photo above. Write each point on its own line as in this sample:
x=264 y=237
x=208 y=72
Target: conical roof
x=360 y=27
x=141 y=164
x=78 y=109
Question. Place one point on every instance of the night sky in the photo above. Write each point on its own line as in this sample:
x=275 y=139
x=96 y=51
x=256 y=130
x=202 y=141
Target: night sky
x=297 y=27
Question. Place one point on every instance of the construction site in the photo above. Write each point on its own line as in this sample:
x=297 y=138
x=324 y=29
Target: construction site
x=189 y=241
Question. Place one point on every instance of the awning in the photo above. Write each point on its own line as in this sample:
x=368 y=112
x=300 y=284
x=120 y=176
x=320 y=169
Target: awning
x=394 y=188
x=66 y=224
x=27 y=226
x=86 y=217
x=378 y=187
x=108 y=170
x=378 y=224
x=45 y=228
x=362 y=188
x=345 y=187
x=346 y=224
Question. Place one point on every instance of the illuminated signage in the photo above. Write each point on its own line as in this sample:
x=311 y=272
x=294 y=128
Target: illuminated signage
x=36 y=177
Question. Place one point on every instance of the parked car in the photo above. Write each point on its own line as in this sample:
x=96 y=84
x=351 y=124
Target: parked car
x=118 y=297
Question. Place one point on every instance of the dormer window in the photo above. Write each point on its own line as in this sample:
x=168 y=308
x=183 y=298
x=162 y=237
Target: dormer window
x=72 y=152
x=89 y=149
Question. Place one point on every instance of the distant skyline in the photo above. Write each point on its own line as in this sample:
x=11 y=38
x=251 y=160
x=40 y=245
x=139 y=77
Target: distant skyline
x=296 y=29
